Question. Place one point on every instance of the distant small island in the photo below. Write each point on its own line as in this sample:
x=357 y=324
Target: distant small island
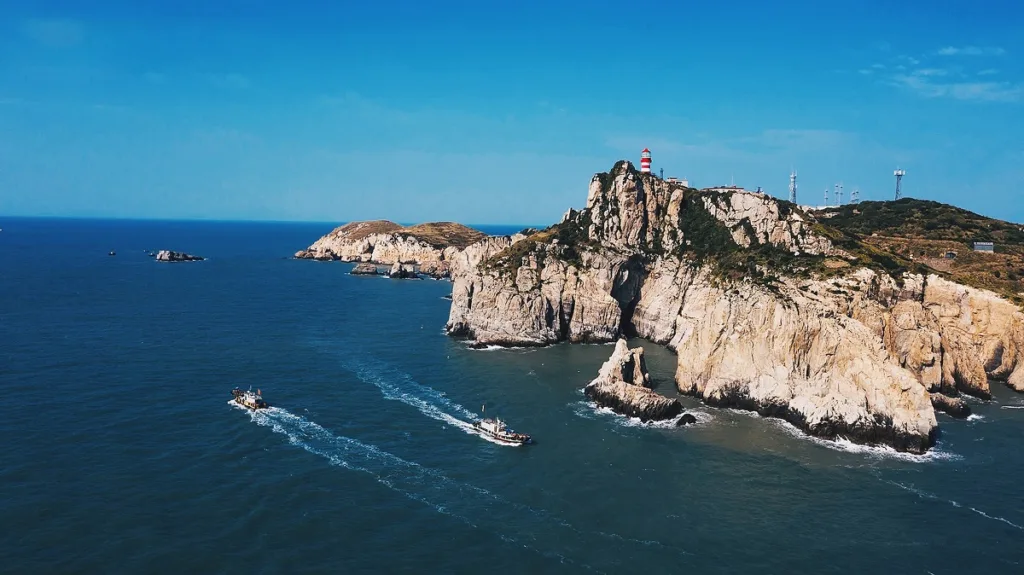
x=172 y=256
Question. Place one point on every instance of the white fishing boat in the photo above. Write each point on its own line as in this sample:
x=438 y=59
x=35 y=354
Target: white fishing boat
x=249 y=398
x=497 y=429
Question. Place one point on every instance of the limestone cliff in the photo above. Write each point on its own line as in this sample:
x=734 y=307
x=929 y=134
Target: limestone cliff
x=768 y=308
x=953 y=338
x=430 y=246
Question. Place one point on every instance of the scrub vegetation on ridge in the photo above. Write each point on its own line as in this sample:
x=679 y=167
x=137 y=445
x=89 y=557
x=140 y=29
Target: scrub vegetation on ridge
x=908 y=235
x=437 y=234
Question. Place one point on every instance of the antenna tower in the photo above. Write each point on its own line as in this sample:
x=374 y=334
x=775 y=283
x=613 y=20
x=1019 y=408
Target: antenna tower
x=826 y=197
x=792 y=186
x=839 y=194
x=899 y=179
x=661 y=173
x=854 y=196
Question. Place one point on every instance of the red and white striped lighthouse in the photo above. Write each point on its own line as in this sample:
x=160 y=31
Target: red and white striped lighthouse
x=645 y=160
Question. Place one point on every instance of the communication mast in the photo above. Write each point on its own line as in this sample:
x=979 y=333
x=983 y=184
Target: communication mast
x=855 y=196
x=792 y=186
x=826 y=197
x=899 y=179
x=839 y=194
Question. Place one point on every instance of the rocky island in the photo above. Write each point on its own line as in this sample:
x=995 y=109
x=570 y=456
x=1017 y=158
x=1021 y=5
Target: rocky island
x=430 y=247
x=172 y=256
x=799 y=314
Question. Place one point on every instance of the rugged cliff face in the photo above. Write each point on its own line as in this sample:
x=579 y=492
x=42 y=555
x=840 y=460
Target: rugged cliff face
x=432 y=246
x=767 y=308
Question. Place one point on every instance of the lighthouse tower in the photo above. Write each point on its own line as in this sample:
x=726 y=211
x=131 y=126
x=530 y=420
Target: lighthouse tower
x=645 y=161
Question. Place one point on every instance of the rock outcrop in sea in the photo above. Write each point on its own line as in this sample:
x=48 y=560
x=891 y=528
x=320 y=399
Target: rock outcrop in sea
x=365 y=269
x=768 y=308
x=172 y=256
x=623 y=385
x=401 y=271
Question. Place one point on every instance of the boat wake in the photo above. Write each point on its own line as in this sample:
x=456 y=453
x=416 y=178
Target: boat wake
x=932 y=497
x=398 y=386
x=479 y=508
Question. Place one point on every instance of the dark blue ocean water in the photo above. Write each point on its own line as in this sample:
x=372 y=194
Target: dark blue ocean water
x=121 y=454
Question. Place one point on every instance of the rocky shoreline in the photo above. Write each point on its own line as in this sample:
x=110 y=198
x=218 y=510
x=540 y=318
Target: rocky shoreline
x=878 y=430
x=954 y=406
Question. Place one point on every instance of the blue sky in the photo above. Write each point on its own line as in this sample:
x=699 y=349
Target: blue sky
x=497 y=112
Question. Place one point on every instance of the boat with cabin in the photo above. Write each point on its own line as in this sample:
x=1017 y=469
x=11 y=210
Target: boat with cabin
x=249 y=398
x=497 y=429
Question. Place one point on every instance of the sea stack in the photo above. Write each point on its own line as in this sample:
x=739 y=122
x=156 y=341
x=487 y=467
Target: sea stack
x=623 y=385
x=401 y=271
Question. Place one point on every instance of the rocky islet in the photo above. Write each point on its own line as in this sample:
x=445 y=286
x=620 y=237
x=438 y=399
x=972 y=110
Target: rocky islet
x=173 y=256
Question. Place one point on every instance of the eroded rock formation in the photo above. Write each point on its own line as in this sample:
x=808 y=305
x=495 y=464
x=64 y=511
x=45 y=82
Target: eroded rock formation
x=365 y=269
x=623 y=385
x=403 y=271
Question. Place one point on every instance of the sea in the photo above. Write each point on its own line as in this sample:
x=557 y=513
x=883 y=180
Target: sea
x=121 y=451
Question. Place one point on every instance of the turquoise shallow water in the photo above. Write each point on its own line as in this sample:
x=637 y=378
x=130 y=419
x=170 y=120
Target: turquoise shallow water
x=121 y=453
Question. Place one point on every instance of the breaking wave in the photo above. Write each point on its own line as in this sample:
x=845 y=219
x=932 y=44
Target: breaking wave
x=876 y=451
x=590 y=410
x=479 y=508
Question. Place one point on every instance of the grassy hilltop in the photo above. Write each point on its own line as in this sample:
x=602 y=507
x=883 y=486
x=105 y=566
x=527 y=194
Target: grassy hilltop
x=924 y=231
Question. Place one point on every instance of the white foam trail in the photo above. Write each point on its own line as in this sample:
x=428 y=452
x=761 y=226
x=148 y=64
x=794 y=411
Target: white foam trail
x=474 y=506
x=589 y=409
x=876 y=451
x=472 y=345
x=398 y=386
x=1006 y=521
x=1012 y=406
x=925 y=495
x=975 y=417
